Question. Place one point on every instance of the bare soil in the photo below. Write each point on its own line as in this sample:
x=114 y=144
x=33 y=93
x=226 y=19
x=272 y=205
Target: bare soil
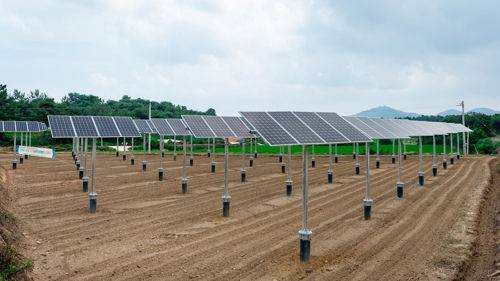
x=147 y=229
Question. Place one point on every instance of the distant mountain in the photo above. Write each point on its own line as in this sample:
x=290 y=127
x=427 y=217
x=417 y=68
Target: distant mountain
x=450 y=112
x=483 y=110
x=386 y=112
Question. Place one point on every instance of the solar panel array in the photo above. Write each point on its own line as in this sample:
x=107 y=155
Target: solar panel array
x=92 y=126
x=217 y=126
x=292 y=128
x=143 y=126
x=178 y=126
x=374 y=134
x=19 y=126
x=397 y=134
x=162 y=127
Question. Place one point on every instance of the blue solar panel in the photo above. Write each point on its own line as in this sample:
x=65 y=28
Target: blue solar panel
x=344 y=127
x=61 y=126
x=372 y=133
x=127 y=127
x=106 y=126
x=143 y=126
x=9 y=126
x=178 y=127
x=268 y=129
x=323 y=129
x=395 y=131
x=218 y=126
x=295 y=127
x=33 y=126
x=1 y=126
x=381 y=130
x=198 y=126
x=21 y=126
x=84 y=126
x=162 y=127
x=43 y=127
x=237 y=125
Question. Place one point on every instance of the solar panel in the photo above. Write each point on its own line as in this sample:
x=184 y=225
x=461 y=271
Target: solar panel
x=127 y=127
x=268 y=129
x=364 y=127
x=106 y=126
x=61 y=126
x=162 y=127
x=295 y=127
x=42 y=126
x=381 y=130
x=33 y=126
x=401 y=128
x=324 y=130
x=344 y=127
x=198 y=126
x=9 y=126
x=238 y=126
x=1 y=126
x=422 y=130
x=84 y=126
x=153 y=128
x=462 y=128
x=143 y=126
x=21 y=126
x=218 y=126
x=178 y=127
x=394 y=131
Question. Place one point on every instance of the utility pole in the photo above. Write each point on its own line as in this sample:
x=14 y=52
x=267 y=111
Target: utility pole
x=463 y=123
x=149 y=143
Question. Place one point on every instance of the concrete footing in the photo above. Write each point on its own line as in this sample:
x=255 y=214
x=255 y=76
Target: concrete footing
x=354 y=155
x=80 y=173
x=283 y=165
x=445 y=164
x=400 y=189
x=144 y=166
x=26 y=157
x=208 y=154
x=85 y=184
x=434 y=170
x=367 y=205
x=404 y=156
x=305 y=236
x=281 y=159
x=160 y=174
x=251 y=162
x=163 y=154
x=175 y=157
x=184 y=183
x=14 y=164
x=93 y=203
x=336 y=159
x=377 y=163
x=289 y=185
x=452 y=160
x=132 y=160
x=191 y=161
x=124 y=157
x=21 y=160
x=313 y=162
x=330 y=176
x=243 y=176
x=78 y=165
x=458 y=156
x=421 y=178
x=226 y=200
x=393 y=159
x=357 y=169
x=255 y=154
x=117 y=154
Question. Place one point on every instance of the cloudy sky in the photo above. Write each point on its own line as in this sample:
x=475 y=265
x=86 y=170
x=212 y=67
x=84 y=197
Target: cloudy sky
x=341 y=56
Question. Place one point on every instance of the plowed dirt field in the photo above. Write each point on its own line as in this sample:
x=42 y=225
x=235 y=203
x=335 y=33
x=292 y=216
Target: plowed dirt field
x=147 y=229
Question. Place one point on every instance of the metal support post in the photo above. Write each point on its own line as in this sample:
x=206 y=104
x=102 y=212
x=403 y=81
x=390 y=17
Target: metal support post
x=208 y=152
x=255 y=147
x=458 y=146
x=144 y=163
x=444 y=153
x=117 y=143
x=243 y=171
x=377 y=160
x=175 y=149
x=124 y=150
x=184 y=181
x=357 y=159
x=400 y=185
x=354 y=151
x=14 y=162
x=336 y=155
x=330 y=171
x=85 y=178
x=404 y=147
x=132 y=158
x=434 y=165
x=420 y=155
x=213 y=157
x=393 y=156
x=251 y=158
x=367 y=202
x=313 y=159
x=281 y=154
x=451 y=149
x=160 y=170
x=93 y=194
x=289 y=182
x=226 y=199
x=305 y=234
x=191 y=160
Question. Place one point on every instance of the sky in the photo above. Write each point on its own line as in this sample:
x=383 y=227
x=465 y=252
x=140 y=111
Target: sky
x=340 y=56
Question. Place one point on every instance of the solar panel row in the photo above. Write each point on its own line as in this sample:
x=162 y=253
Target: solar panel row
x=217 y=126
x=88 y=126
x=20 y=126
x=292 y=128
